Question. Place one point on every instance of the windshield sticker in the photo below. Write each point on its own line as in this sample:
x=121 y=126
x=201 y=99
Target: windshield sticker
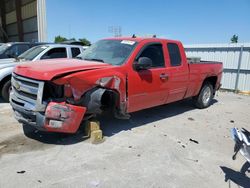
x=129 y=42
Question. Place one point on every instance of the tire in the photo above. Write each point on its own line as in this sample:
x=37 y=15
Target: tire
x=6 y=91
x=29 y=131
x=204 y=98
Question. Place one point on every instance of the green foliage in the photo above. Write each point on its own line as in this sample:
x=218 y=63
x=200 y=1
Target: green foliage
x=59 y=39
x=234 y=39
x=85 y=42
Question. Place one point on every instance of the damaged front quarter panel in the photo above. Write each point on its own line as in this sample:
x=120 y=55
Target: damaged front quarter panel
x=89 y=88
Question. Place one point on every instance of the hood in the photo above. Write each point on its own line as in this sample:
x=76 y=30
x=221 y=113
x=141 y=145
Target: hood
x=48 y=69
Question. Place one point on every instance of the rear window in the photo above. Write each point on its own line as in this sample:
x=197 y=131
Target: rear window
x=174 y=54
x=75 y=52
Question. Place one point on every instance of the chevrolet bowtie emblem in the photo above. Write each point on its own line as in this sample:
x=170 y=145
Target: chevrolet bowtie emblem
x=17 y=85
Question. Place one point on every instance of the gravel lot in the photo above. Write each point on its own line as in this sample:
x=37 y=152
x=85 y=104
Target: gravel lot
x=152 y=149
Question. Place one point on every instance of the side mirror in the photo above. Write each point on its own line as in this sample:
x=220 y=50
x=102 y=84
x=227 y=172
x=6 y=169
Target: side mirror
x=143 y=63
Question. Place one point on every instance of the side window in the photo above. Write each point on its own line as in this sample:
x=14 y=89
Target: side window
x=11 y=52
x=22 y=48
x=174 y=54
x=155 y=53
x=55 y=53
x=75 y=52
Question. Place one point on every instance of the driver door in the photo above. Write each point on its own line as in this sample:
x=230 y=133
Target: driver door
x=148 y=88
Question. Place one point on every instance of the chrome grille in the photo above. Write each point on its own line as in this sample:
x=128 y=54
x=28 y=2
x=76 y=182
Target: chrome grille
x=27 y=93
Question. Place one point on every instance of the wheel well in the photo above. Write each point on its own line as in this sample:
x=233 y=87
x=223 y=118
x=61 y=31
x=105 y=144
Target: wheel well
x=109 y=99
x=3 y=81
x=212 y=80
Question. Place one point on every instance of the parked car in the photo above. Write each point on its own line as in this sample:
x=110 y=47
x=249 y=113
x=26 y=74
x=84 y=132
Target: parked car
x=116 y=75
x=47 y=51
x=13 y=49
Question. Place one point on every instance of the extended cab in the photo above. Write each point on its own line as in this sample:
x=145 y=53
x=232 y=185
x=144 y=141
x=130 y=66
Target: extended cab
x=116 y=75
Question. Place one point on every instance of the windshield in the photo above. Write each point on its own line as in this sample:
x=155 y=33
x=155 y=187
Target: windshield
x=3 y=47
x=32 y=53
x=113 y=52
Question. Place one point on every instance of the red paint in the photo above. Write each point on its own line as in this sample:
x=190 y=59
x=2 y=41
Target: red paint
x=145 y=88
x=70 y=116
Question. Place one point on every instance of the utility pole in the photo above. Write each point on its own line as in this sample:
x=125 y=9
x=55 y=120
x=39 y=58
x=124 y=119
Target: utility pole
x=115 y=30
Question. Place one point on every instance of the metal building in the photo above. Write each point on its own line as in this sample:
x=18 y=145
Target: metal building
x=236 y=62
x=22 y=20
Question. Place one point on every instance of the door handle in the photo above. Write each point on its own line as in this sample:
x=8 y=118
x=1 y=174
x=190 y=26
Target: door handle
x=164 y=76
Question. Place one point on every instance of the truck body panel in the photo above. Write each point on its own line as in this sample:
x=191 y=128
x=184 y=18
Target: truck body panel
x=91 y=86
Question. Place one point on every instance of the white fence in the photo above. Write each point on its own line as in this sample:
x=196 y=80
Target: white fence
x=235 y=59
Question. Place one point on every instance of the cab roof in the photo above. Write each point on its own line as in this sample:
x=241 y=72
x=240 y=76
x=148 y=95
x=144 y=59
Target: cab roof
x=139 y=39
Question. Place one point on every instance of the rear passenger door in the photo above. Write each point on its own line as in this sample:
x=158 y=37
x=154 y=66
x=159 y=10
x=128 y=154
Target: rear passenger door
x=59 y=52
x=178 y=72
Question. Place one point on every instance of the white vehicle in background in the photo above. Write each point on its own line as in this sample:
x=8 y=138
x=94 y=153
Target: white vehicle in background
x=47 y=51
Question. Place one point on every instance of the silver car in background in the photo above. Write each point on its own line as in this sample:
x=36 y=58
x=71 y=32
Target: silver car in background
x=47 y=51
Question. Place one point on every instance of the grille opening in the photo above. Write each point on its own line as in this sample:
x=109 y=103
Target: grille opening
x=28 y=95
x=27 y=82
x=18 y=103
x=52 y=90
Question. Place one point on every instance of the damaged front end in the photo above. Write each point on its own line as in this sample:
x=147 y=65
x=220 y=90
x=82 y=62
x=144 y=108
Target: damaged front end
x=62 y=104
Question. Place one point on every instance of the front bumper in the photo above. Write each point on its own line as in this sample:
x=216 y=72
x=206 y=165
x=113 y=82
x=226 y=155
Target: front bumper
x=58 y=117
x=26 y=99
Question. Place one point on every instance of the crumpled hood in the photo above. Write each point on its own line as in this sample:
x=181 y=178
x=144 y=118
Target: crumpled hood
x=48 y=69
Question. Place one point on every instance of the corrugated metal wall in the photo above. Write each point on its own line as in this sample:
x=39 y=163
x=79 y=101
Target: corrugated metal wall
x=23 y=20
x=235 y=58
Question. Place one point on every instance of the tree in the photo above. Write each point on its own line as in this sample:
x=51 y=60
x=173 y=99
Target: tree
x=234 y=39
x=85 y=42
x=59 y=39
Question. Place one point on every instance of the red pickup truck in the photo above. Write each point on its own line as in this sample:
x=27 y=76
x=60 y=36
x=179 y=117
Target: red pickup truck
x=115 y=75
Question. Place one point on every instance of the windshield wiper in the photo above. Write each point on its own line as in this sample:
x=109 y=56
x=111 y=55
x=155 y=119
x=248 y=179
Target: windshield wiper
x=94 y=59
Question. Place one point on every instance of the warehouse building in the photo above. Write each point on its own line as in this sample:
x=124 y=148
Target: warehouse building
x=22 y=21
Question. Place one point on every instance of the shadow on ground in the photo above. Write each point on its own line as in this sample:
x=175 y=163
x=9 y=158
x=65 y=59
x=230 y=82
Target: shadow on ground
x=111 y=126
x=1 y=100
x=239 y=178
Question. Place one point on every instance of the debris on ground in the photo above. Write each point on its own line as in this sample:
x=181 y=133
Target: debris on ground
x=194 y=160
x=39 y=181
x=21 y=172
x=231 y=121
x=191 y=119
x=195 y=141
x=130 y=147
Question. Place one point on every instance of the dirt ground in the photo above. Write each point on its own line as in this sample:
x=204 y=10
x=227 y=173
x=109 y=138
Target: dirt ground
x=174 y=145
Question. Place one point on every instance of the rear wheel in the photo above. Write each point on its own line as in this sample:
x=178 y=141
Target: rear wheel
x=204 y=98
x=6 y=90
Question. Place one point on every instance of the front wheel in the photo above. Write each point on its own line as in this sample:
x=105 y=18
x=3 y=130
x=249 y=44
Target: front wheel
x=204 y=98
